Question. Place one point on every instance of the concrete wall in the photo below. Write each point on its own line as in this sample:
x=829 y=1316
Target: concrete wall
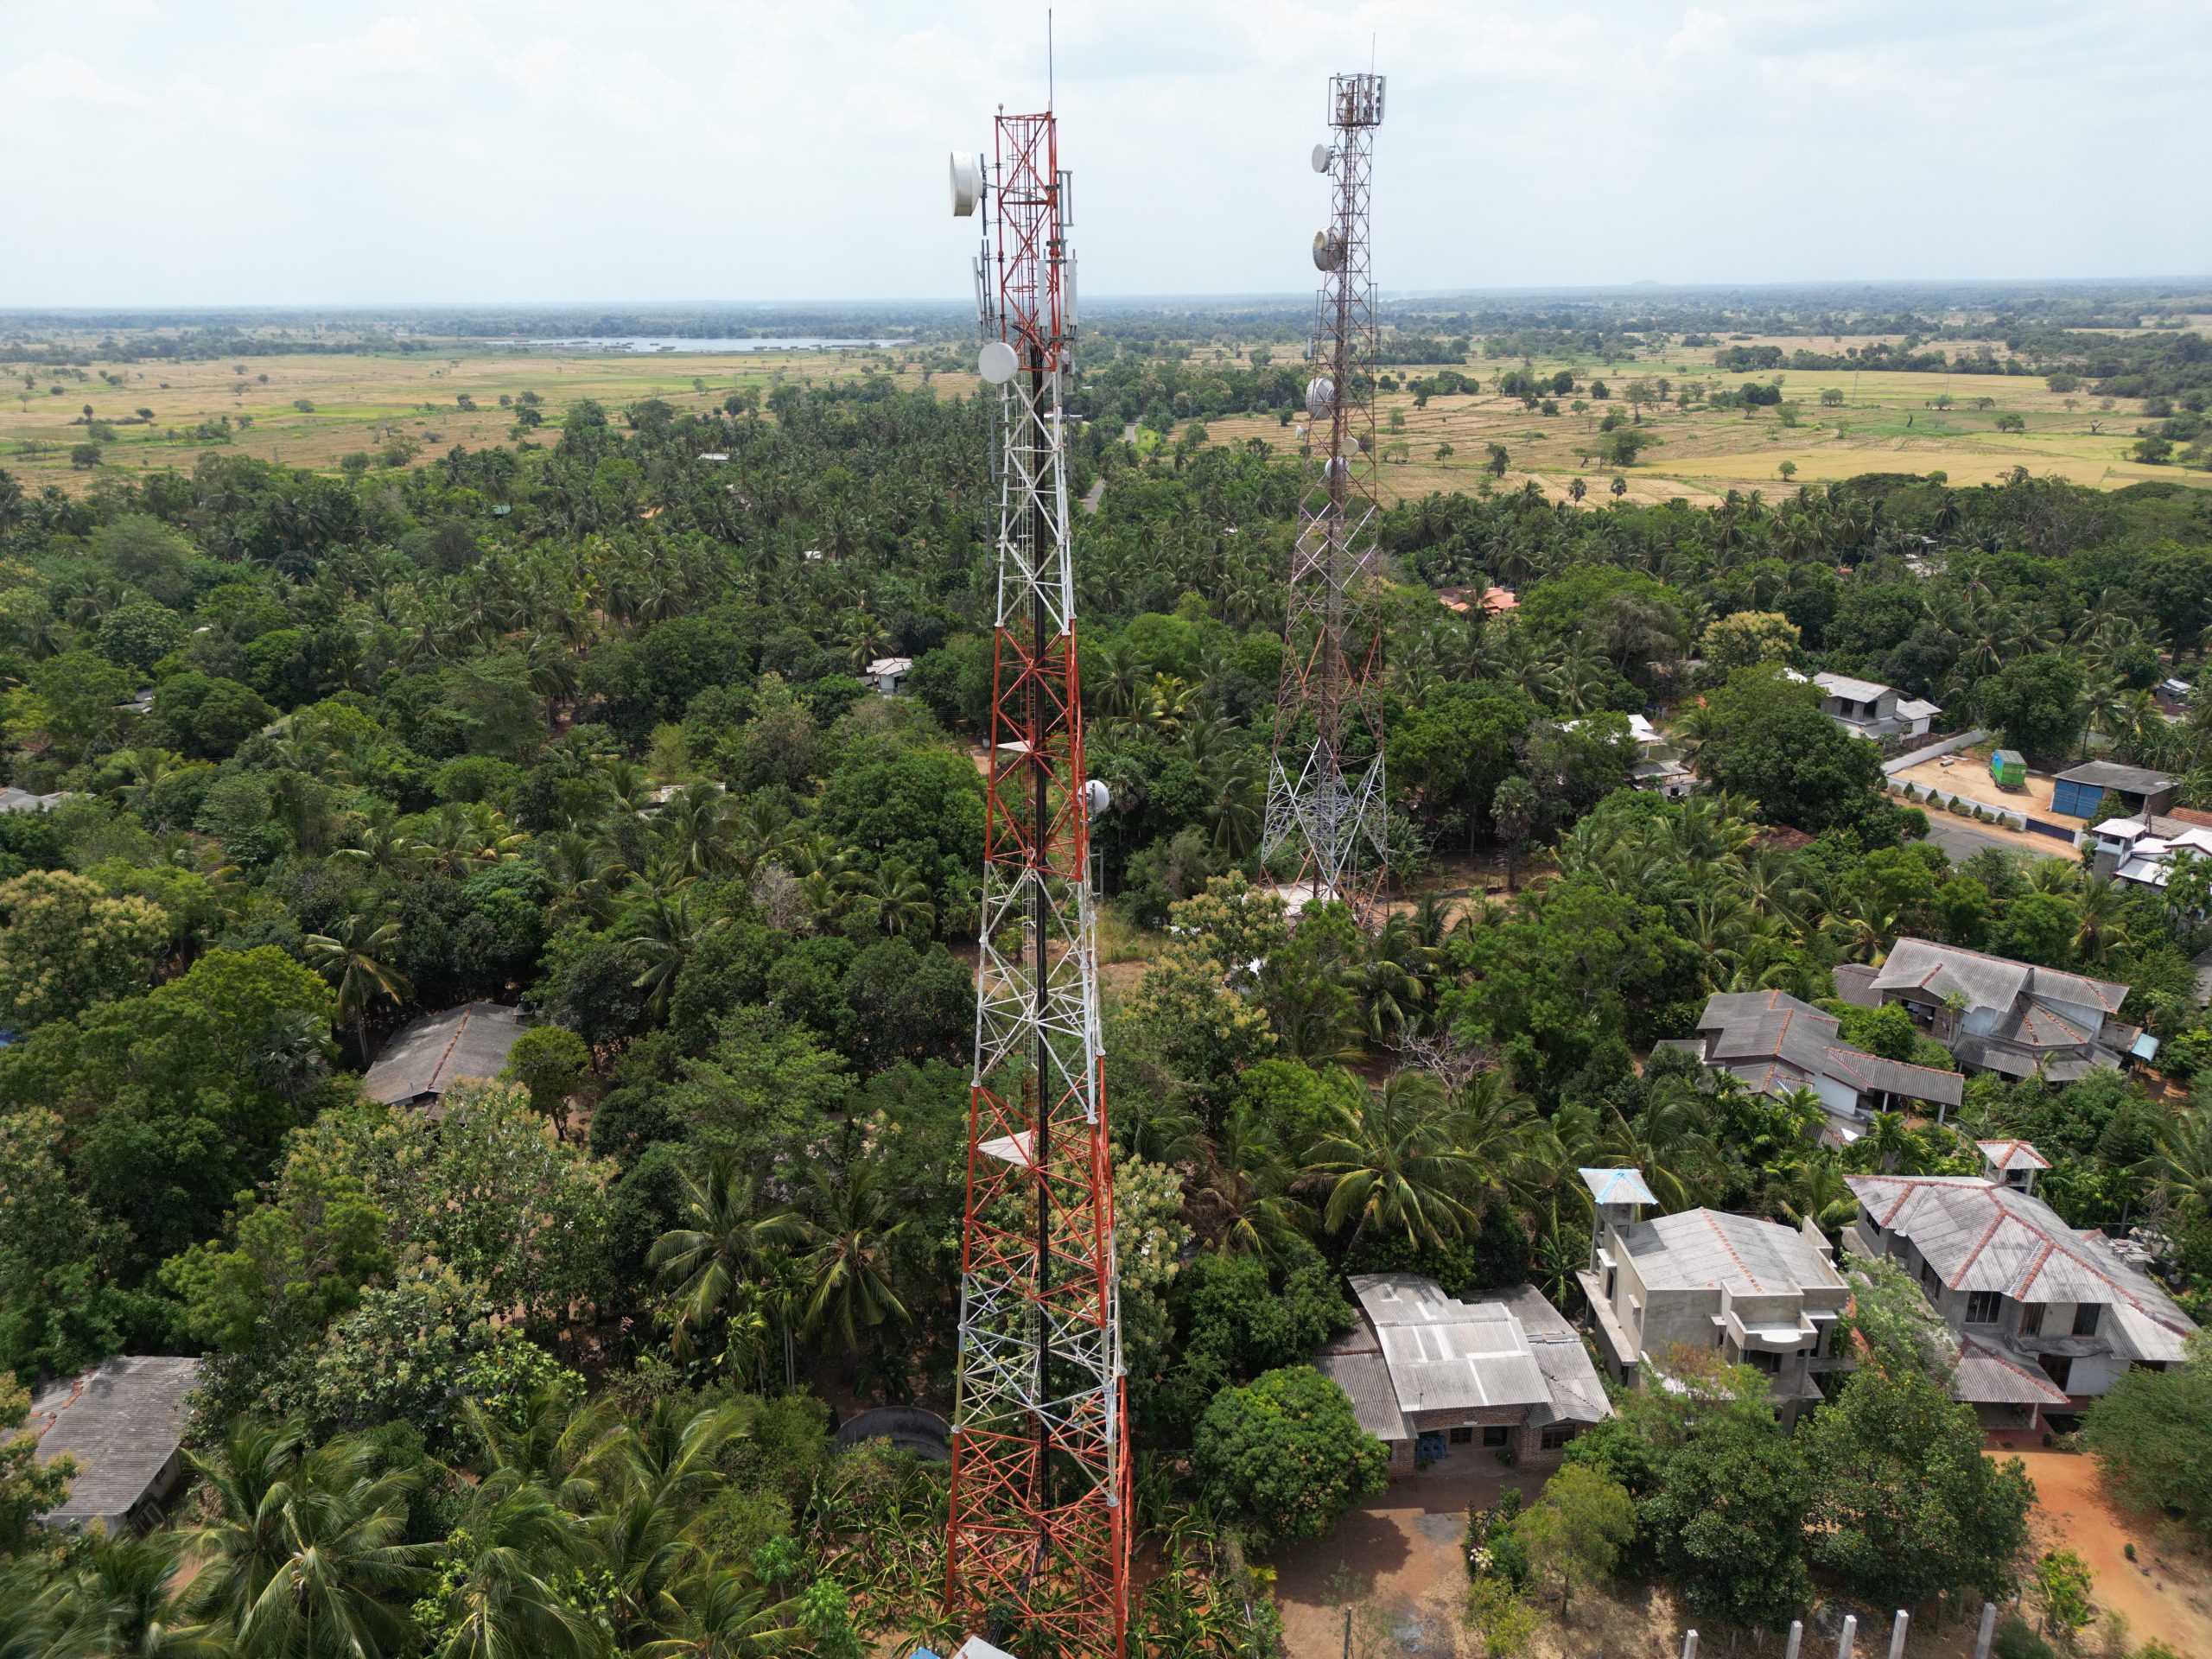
x=1524 y=1439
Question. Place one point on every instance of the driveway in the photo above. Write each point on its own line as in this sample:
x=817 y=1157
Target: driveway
x=1962 y=840
x=1398 y=1559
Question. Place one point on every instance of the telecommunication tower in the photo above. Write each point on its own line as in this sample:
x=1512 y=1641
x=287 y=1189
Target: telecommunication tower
x=1327 y=816
x=1037 y=1546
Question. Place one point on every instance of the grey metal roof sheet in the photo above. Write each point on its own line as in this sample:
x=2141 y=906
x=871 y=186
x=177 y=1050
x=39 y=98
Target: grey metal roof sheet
x=1986 y=1377
x=122 y=1422
x=1988 y=982
x=1979 y=1235
x=1578 y=1396
x=2110 y=774
x=1702 y=1248
x=1854 y=984
x=1439 y=1353
x=1856 y=690
x=430 y=1055
x=1767 y=1028
x=2012 y=1155
x=1365 y=1379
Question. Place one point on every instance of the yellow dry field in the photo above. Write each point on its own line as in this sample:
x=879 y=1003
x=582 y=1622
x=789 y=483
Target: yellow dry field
x=362 y=403
x=1885 y=423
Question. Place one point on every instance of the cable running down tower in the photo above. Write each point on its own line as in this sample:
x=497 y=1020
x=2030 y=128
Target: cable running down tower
x=1327 y=818
x=1037 y=1554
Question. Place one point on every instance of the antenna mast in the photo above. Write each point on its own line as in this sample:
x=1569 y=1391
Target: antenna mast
x=1038 y=1545
x=1327 y=810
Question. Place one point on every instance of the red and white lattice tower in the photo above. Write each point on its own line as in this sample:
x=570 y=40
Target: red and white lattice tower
x=1038 y=1543
x=1327 y=818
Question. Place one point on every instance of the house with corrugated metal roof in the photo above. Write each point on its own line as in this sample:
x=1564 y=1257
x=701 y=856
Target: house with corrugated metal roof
x=2048 y=1318
x=428 y=1055
x=1995 y=1014
x=1435 y=1377
x=1753 y=1291
x=1774 y=1044
x=124 y=1424
x=1869 y=709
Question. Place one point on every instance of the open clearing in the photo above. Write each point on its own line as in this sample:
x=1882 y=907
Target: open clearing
x=363 y=402
x=2165 y=1592
x=1886 y=421
x=1394 y=1562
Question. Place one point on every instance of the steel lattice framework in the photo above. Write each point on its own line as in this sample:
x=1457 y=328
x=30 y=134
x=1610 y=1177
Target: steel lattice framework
x=1327 y=818
x=1037 y=1546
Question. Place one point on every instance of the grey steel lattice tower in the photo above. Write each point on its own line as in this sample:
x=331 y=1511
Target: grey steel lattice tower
x=1327 y=816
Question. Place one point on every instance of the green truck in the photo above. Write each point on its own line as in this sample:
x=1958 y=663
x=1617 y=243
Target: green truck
x=2008 y=769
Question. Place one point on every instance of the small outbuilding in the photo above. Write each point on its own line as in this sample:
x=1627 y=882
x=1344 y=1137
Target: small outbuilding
x=2008 y=769
x=124 y=1422
x=888 y=674
x=428 y=1055
x=2105 y=789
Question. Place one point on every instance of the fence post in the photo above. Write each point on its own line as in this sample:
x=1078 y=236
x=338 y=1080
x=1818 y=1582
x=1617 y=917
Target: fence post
x=1850 y=1638
x=1798 y=1634
x=1897 y=1634
x=1689 y=1644
x=1988 y=1630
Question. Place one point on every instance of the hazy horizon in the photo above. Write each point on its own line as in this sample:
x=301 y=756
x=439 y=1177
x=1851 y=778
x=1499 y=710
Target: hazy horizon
x=467 y=306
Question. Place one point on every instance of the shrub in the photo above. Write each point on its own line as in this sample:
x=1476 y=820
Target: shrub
x=1288 y=1454
x=2015 y=1640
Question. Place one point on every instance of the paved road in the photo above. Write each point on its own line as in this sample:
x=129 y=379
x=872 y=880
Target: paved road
x=1962 y=841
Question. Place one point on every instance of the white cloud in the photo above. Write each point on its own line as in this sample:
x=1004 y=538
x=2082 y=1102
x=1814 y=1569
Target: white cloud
x=390 y=151
x=56 y=77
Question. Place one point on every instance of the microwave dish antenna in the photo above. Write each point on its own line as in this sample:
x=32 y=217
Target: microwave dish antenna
x=966 y=183
x=997 y=363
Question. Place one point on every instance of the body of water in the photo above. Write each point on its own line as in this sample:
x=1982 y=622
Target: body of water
x=672 y=343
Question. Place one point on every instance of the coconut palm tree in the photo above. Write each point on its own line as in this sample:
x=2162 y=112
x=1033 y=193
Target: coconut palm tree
x=354 y=959
x=723 y=1615
x=2180 y=1164
x=849 y=1238
x=125 y=1600
x=1232 y=785
x=303 y=1554
x=507 y=1600
x=659 y=936
x=694 y=827
x=901 y=898
x=1394 y=1159
x=1244 y=1187
x=707 y=1262
x=2102 y=906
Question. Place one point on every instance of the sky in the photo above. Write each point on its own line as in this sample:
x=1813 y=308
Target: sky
x=221 y=152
